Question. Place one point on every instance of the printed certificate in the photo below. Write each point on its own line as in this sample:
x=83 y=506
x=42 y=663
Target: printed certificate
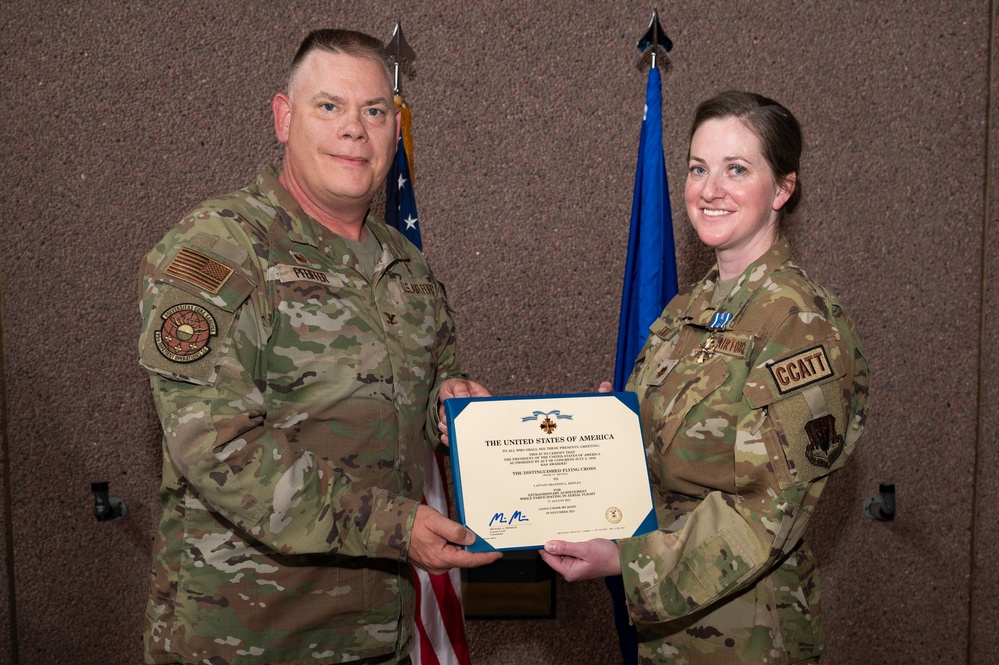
x=532 y=469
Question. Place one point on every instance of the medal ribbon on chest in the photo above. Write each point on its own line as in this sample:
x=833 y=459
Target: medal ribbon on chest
x=720 y=320
x=707 y=350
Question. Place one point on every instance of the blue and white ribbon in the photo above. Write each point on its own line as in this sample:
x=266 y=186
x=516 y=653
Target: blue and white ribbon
x=720 y=320
x=556 y=413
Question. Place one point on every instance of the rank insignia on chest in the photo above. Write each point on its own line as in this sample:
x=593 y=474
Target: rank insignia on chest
x=665 y=368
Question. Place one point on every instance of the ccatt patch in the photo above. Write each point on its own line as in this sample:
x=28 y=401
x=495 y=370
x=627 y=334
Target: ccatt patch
x=185 y=332
x=802 y=369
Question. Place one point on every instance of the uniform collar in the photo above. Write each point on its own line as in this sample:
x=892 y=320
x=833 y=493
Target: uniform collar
x=304 y=229
x=726 y=313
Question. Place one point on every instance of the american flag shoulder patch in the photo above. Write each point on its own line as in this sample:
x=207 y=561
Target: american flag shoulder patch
x=202 y=271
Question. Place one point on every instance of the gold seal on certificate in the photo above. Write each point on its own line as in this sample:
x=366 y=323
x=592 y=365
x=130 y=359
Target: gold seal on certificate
x=532 y=469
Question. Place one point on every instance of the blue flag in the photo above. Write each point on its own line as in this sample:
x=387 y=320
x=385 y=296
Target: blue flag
x=400 y=197
x=650 y=270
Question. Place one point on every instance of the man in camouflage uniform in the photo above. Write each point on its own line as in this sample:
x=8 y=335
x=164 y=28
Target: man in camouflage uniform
x=297 y=353
x=752 y=388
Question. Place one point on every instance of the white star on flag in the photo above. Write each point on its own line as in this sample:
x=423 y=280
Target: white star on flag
x=440 y=624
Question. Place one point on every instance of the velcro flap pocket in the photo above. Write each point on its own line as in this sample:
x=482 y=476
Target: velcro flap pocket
x=665 y=326
x=689 y=390
x=801 y=391
x=196 y=298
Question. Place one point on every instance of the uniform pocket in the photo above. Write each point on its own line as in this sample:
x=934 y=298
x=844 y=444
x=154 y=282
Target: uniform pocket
x=803 y=396
x=684 y=387
x=189 y=329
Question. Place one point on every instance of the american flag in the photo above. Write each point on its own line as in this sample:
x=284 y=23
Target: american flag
x=400 y=198
x=440 y=621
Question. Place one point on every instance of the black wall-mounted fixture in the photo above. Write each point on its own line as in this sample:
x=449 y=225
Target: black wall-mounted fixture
x=882 y=506
x=106 y=508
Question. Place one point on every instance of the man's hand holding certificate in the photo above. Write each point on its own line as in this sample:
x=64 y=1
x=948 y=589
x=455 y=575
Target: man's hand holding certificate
x=531 y=469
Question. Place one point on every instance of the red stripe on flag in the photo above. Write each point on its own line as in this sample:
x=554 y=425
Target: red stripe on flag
x=440 y=620
x=446 y=590
x=423 y=651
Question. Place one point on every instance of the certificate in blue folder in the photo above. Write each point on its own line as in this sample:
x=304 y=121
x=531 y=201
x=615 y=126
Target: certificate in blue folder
x=537 y=468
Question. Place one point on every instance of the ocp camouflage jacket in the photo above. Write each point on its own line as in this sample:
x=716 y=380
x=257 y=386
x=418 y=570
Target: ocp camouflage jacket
x=746 y=407
x=295 y=397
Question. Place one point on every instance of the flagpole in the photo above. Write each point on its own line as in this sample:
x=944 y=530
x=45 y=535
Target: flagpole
x=655 y=38
x=440 y=623
x=400 y=197
x=650 y=267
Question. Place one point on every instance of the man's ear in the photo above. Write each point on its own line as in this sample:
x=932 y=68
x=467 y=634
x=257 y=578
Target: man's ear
x=281 y=105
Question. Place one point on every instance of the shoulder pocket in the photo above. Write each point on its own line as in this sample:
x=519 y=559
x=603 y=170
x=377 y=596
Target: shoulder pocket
x=195 y=297
x=802 y=393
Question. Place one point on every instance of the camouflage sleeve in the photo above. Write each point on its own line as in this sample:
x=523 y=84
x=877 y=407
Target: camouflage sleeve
x=250 y=465
x=447 y=365
x=799 y=421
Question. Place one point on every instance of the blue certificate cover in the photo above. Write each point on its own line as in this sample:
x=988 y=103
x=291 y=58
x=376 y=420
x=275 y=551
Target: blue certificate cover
x=529 y=469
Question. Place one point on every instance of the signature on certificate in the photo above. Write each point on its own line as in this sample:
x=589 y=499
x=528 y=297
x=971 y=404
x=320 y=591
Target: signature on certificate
x=501 y=518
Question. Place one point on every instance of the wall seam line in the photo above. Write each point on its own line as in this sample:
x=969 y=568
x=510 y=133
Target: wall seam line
x=983 y=301
x=8 y=491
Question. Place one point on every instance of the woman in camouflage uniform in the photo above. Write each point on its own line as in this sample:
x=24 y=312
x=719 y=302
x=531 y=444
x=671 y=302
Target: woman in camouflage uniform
x=753 y=389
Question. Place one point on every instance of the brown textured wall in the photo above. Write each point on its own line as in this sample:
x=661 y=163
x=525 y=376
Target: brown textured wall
x=6 y=635
x=119 y=116
x=985 y=538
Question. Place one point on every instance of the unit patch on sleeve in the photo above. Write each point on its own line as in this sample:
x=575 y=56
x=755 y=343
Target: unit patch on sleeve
x=185 y=332
x=824 y=444
x=202 y=271
x=801 y=369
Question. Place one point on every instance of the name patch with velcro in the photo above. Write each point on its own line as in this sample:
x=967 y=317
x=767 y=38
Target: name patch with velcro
x=286 y=274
